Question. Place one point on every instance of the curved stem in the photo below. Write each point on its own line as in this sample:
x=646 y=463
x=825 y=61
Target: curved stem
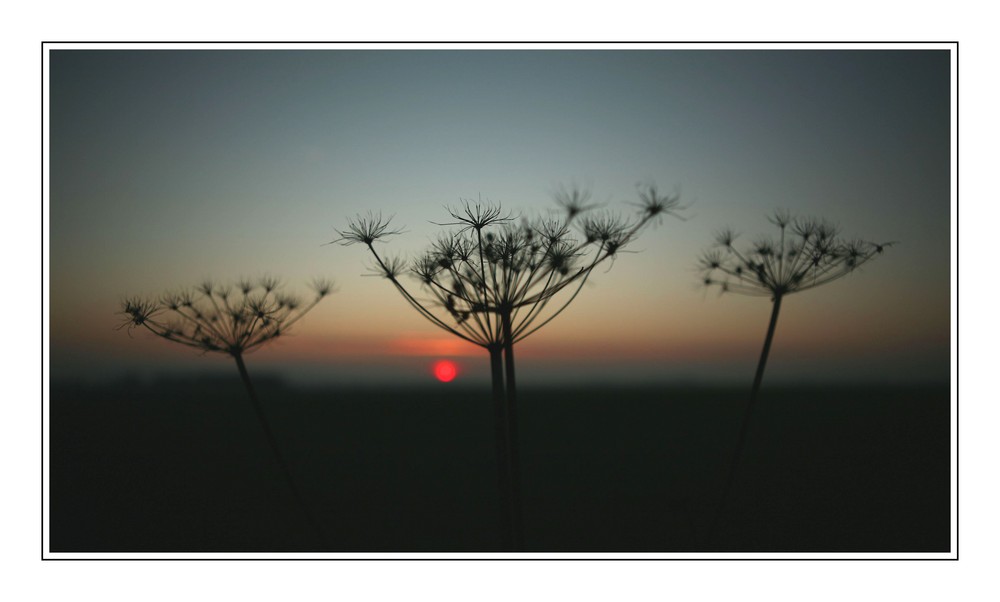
x=426 y=313
x=759 y=376
x=747 y=413
x=273 y=444
x=583 y=275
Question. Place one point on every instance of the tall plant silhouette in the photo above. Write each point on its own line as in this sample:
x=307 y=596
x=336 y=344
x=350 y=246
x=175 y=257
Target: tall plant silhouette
x=807 y=253
x=493 y=280
x=233 y=320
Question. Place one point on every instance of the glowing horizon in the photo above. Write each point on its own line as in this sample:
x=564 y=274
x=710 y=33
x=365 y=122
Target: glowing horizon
x=168 y=167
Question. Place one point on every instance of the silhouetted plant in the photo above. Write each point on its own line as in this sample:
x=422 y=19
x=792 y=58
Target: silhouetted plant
x=806 y=254
x=234 y=320
x=493 y=280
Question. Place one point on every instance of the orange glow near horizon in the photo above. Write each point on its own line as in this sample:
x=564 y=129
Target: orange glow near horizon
x=309 y=347
x=432 y=346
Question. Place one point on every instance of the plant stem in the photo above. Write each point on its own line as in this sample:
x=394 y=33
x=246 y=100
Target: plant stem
x=759 y=376
x=511 y=420
x=747 y=413
x=502 y=441
x=496 y=371
x=273 y=444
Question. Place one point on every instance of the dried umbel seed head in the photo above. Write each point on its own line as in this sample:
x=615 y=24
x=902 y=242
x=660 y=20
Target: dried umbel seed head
x=573 y=201
x=366 y=230
x=806 y=253
x=476 y=215
x=489 y=265
x=322 y=287
x=604 y=227
x=137 y=312
x=214 y=318
x=653 y=204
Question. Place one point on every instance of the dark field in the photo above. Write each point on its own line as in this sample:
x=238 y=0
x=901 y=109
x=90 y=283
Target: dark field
x=182 y=466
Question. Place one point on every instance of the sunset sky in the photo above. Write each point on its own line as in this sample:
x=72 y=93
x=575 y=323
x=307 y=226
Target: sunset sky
x=171 y=166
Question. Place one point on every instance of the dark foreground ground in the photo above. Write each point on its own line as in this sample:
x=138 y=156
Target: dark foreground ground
x=182 y=465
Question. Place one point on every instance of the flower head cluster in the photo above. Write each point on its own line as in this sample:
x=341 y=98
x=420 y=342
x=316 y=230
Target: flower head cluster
x=366 y=229
x=476 y=215
x=491 y=266
x=230 y=318
x=807 y=253
x=654 y=205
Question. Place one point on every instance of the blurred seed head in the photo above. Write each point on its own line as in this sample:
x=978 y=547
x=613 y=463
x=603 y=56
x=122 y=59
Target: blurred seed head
x=807 y=253
x=211 y=318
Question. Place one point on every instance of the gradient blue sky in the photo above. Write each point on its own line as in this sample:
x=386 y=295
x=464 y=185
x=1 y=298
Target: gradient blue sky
x=171 y=166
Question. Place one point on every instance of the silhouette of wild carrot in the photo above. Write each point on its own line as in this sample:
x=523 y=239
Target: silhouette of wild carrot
x=807 y=253
x=233 y=320
x=494 y=280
